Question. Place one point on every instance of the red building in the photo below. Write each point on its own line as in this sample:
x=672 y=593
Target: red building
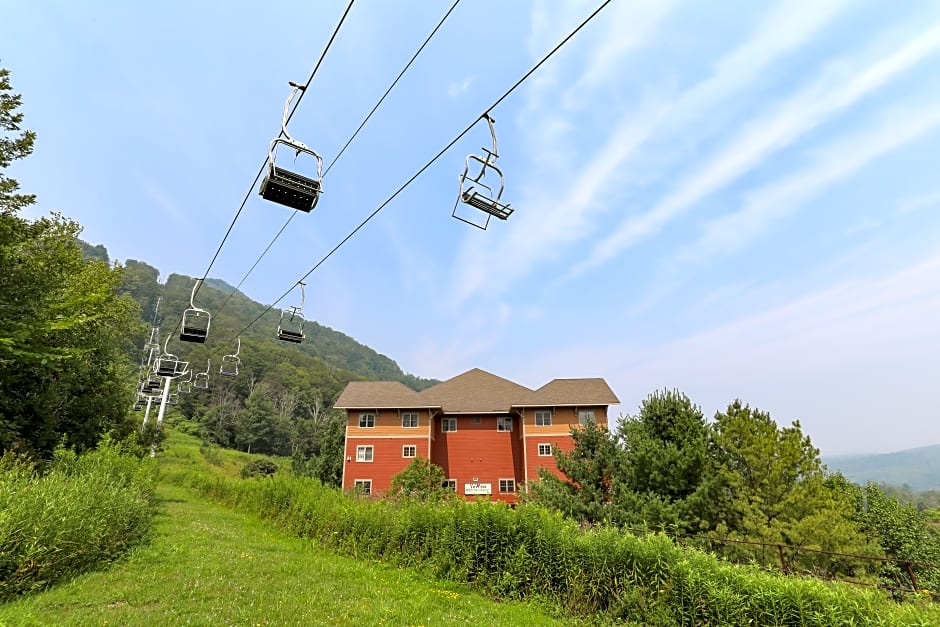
x=490 y=435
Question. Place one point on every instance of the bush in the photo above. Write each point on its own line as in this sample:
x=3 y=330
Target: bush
x=259 y=468
x=84 y=510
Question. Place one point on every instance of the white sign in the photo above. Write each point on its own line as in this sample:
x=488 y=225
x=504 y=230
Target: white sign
x=477 y=488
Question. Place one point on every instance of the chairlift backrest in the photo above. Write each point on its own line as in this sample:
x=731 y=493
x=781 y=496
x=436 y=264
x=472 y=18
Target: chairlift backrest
x=476 y=192
x=195 y=324
x=290 y=327
x=229 y=367
x=283 y=186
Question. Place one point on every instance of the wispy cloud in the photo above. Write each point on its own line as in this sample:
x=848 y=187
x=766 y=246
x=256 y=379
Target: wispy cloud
x=840 y=86
x=455 y=88
x=917 y=203
x=836 y=162
x=567 y=219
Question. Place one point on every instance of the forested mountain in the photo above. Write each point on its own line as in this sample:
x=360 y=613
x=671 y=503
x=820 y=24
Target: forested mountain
x=232 y=312
x=281 y=400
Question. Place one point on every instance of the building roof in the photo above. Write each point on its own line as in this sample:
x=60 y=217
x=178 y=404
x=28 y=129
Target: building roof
x=379 y=395
x=571 y=392
x=476 y=392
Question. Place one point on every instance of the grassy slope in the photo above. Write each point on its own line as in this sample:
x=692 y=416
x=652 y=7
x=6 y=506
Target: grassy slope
x=208 y=565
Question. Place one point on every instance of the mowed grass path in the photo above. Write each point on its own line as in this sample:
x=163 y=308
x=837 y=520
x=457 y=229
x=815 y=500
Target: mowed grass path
x=208 y=565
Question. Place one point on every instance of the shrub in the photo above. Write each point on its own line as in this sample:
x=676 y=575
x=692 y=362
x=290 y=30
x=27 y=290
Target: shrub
x=84 y=510
x=259 y=468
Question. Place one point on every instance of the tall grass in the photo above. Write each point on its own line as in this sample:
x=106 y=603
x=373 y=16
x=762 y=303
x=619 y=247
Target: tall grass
x=530 y=552
x=79 y=512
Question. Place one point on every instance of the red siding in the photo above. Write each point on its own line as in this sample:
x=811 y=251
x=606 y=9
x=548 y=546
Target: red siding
x=478 y=453
x=386 y=460
x=564 y=442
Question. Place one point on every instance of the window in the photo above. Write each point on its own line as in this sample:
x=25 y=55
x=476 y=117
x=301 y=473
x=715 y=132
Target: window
x=585 y=416
x=449 y=484
x=363 y=486
x=507 y=485
x=409 y=450
x=543 y=418
x=363 y=453
x=366 y=421
x=504 y=423
x=545 y=450
x=409 y=420
x=448 y=424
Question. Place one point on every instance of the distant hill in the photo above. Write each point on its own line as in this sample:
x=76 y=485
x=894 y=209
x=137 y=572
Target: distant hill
x=917 y=468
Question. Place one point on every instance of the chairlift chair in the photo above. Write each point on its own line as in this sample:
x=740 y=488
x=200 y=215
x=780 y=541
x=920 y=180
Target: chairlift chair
x=291 y=326
x=167 y=364
x=185 y=384
x=201 y=380
x=195 y=324
x=474 y=191
x=152 y=382
x=288 y=188
x=229 y=367
x=173 y=398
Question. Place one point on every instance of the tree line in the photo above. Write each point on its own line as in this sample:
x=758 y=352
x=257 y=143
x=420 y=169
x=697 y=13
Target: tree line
x=740 y=476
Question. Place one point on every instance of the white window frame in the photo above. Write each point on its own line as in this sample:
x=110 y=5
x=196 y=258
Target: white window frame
x=504 y=423
x=409 y=448
x=543 y=418
x=449 y=484
x=585 y=415
x=542 y=448
x=448 y=421
x=365 y=453
x=507 y=486
x=365 y=484
x=364 y=421
x=409 y=420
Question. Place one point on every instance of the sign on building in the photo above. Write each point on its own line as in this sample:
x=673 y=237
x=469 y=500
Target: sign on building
x=475 y=489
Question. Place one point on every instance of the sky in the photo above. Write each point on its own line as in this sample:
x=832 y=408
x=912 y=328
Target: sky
x=735 y=200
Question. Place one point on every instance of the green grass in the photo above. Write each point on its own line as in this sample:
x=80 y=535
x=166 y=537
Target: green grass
x=208 y=565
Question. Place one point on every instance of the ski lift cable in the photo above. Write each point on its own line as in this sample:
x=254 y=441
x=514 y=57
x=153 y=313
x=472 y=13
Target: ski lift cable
x=427 y=165
x=286 y=121
x=345 y=146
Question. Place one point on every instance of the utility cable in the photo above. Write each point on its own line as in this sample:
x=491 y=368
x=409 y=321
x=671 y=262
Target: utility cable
x=264 y=163
x=345 y=146
x=429 y=164
x=289 y=116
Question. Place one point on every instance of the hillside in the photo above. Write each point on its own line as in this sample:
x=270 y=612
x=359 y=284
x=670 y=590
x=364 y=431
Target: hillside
x=232 y=311
x=917 y=468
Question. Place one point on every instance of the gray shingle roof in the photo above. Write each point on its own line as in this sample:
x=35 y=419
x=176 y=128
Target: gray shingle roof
x=572 y=392
x=378 y=395
x=476 y=391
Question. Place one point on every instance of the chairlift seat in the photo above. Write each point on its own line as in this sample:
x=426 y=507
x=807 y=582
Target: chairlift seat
x=193 y=334
x=295 y=337
x=185 y=387
x=202 y=381
x=290 y=189
x=487 y=205
x=173 y=399
x=170 y=367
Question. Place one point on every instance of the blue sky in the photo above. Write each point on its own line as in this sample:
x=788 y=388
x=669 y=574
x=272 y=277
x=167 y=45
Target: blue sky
x=735 y=200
